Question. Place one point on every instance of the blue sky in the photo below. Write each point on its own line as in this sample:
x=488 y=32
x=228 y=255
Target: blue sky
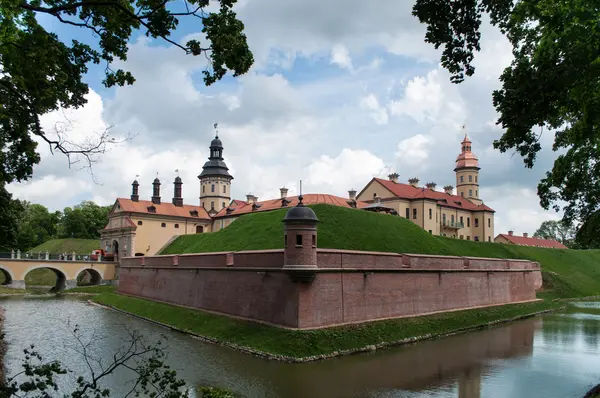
x=332 y=99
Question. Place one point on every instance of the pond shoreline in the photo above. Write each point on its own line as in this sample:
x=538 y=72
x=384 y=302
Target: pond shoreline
x=3 y=346
x=337 y=353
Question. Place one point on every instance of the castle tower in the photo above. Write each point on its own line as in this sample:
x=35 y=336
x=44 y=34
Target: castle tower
x=177 y=198
x=156 y=191
x=135 y=193
x=300 y=242
x=215 y=180
x=467 y=172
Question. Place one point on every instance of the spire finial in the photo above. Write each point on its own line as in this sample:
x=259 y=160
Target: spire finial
x=300 y=197
x=215 y=126
x=177 y=171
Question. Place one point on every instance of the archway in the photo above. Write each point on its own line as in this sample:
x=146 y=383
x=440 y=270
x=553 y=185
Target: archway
x=5 y=278
x=199 y=229
x=115 y=249
x=89 y=277
x=42 y=278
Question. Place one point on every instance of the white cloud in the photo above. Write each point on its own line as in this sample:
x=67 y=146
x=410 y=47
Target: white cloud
x=341 y=57
x=413 y=152
x=378 y=113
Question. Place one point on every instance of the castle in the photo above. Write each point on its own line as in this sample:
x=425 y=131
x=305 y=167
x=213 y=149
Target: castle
x=139 y=227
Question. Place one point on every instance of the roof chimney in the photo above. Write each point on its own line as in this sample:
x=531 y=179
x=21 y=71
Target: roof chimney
x=177 y=199
x=525 y=234
x=156 y=191
x=251 y=199
x=394 y=177
x=352 y=194
x=414 y=182
x=431 y=185
x=284 y=192
x=135 y=195
x=510 y=233
x=449 y=189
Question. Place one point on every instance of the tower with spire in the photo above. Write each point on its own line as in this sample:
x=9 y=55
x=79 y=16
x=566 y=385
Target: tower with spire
x=215 y=180
x=467 y=172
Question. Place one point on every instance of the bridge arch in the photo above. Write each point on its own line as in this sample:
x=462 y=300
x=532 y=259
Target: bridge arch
x=8 y=276
x=61 y=277
x=95 y=278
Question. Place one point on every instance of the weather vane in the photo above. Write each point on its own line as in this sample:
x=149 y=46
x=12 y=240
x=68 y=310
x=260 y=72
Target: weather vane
x=177 y=171
x=215 y=126
x=137 y=176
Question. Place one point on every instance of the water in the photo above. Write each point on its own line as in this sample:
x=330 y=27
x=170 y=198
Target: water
x=551 y=356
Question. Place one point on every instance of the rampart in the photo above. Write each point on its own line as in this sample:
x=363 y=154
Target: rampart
x=343 y=287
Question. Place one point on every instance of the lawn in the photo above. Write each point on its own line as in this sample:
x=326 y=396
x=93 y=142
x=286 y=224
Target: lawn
x=566 y=273
x=57 y=246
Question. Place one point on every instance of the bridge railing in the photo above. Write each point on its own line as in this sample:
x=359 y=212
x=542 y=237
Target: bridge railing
x=47 y=256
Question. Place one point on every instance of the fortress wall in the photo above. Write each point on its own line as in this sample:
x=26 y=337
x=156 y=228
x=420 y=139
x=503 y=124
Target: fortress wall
x=348 y=286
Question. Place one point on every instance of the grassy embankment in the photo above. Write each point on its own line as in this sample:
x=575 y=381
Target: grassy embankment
x=566 y=273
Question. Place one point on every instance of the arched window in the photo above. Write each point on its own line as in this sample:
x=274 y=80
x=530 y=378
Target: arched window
x=212 y=188
x=212 y=205
x=475 y=178
x=163 y=225
x=224 y=188
x=176 y=225
x=223 y=205
x=140 y=223
x=462 y=178
x=470 y=193
x=203 y=188
x=199 y=229
x=375 y=194
x=470 y=178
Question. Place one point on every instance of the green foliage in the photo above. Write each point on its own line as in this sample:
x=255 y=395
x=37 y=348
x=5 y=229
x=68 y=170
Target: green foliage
x=556 y=230
x=79 y=246
x=10 y=211
x=588 y=236
x=36 y=225
x=146 y=359
x=215 y=392
x=304 y=343
x=552 y=84
x=352 y=229
x=83 y=221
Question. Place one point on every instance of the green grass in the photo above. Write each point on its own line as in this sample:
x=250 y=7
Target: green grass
x=566 y=273
x=300 y=344
x=79 y=246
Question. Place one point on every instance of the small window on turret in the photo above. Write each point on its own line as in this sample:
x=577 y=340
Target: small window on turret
x=224 y=188
x=298 y=240
x=212 y=188
x=470 y=178
x=140 y=223
x=462 y=178
x=203 y=188
x=470 y=193
x=314 y=241
x=285 y=240
x=475 y=178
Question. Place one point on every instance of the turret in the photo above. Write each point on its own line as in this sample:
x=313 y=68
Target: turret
x=156 y=191
x=135 y=194
x=467 y=172
x=215 y=180
x=177 y=198
x=300 y=250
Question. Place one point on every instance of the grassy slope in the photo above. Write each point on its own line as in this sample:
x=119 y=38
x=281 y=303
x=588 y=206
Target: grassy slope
x=570 y=273
x=79 y=246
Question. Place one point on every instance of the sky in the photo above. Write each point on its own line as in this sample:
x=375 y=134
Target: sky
x=340 y=92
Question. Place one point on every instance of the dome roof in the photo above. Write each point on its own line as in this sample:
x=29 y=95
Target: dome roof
x=135 y=182
x=300 y=213
x=178 y=179
x=216 y=143
x=156 y=181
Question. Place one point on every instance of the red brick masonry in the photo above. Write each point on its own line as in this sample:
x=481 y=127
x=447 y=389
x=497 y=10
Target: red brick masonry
x=349 y=286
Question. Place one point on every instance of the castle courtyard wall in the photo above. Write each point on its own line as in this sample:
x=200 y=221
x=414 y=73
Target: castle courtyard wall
x=348 y=286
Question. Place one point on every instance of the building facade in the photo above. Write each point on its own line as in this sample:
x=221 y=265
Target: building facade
x=525 y=240
x=139 y=227
x=462 y=215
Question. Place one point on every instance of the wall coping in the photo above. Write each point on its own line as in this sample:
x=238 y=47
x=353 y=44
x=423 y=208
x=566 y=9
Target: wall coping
x=34 y=260
x=359 y=252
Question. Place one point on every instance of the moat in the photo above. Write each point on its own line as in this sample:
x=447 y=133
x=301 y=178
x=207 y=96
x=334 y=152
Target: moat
x=555 y=355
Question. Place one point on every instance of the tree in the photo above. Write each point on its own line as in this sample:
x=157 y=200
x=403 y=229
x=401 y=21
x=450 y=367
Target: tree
x=11 y=210
x=36 y=225
x=145 y=359
x=556 y=230
x=39 y=73
x=83 y=221
x=553 y=84
x=588 y=235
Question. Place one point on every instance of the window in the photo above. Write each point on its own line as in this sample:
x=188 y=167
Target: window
x=468 y=221
x=414 y=214
x=489 y=238
x=461 y=220
x=212 y=205
x=212 y=188
x=140 y=223
x=468 y=237
x=163 y=225
x=199 y=229
x=452 y=219
x=476 y=239
x=489 y=222
x=475 y=178
x=470 y=178
x=430 y=214
x=223 y=205
x=462 y=194
x=462 y=179
x=470 y=193
x=176 y=225
x=285 y=240
x=202 y=204
x=430 y=232
x=375 y=194
x=443 y=219
x=224 y=188
x=314 y=241
x=462 y=236
x=203 y=188
x=298 y=240
x=407 y=212
x=476 y=192
x=476 y=222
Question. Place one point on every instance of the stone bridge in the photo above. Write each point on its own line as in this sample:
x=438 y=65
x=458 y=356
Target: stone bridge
x=66 y=271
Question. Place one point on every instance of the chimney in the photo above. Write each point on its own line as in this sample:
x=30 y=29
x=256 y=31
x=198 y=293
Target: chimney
x=254 y=199
x=431 y=185
x=414 y=182
x=283 y=192
x=525 y=234
x=135 y=195
x=352 y=194
x=449 y=189
x=510 y=233
x=251 y=199
x=156 y=191
x=177 y=199
x=394 y=177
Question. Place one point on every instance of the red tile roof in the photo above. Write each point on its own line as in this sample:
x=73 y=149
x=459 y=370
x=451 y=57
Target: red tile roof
x=409 y=192
x=243 y=207
x=165 y=209
x=523 y=241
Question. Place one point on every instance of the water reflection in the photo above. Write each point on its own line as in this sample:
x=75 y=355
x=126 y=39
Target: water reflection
x=553 y=356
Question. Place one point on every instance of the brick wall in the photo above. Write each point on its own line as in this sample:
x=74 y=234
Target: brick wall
x=368 y=286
